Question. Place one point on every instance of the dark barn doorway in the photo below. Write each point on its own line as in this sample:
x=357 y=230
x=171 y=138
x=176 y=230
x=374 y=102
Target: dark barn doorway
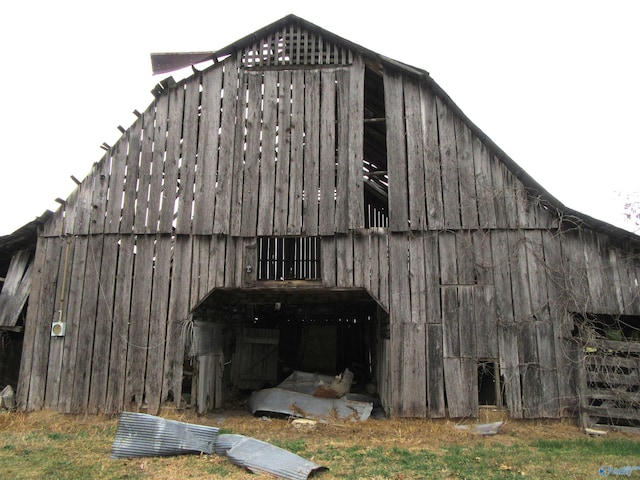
x=248 y=339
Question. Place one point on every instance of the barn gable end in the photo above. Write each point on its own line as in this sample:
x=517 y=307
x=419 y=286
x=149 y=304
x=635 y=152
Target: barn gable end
x=306 y=187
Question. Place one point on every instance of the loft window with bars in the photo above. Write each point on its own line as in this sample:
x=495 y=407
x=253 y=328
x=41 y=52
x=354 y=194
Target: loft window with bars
x=285 y=258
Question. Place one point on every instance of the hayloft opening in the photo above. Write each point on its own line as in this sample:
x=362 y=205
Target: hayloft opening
x=247 y=340
x=376 y=178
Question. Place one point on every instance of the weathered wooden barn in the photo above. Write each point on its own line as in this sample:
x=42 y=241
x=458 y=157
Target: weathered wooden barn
x=307 y=204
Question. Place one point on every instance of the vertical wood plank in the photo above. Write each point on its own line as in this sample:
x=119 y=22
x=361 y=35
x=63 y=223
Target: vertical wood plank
x=144 y=169
x=467 y=321
x=433 y=176
x=409 y=377
x=131 y=178
x=432 y=277
x=417 y=285
x=399 y=279
x=208 y=143
x=328 y=261
x=508 y=188
x=116 y=185
x=178 y=313
x=356 y=146
x=198 y=273
x=172 y=158
x=217 y=250
x=575 y=271
x=189 y=151
x=497 y=190
x=99 y=195
x=327 y=152
x=507 y=330
x=360 y=260
x=296 y=168
x=484 y=189
x=120 y=330
x=460 y=376
x=70 y=212
x=42 y=325
x=311 y=179
x=599 y=276
x=251 y=183
x=465 y=257
x=481 y=246
x=449 y=166
x=549 y=390
x=450 y=322
x=284 y=154
x=76 y=276
x=341 y=224
x=560 y=325
x=486 y=324
x=374 y=266
x=383 y=268
x=466 y=173
x=158 y=323
x=230 y=263
x=524 y=320
x=83 y=207
x=448 y=264
x=415 y=154
x=396 y=151
x=344 y=261
x=157 y=164
x=139 y=323
x=266 y=205
x=227 y=138
x=235 y=224
x=86 y=328
x=435 y=371
x=31 y=323
x=56 y=349
x=104 y=318
x=54 y=227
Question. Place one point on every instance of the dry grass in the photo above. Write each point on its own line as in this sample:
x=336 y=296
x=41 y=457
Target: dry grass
x=51 y=445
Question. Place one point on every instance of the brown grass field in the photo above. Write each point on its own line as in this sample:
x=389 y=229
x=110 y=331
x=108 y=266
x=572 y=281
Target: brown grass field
x=51 y=445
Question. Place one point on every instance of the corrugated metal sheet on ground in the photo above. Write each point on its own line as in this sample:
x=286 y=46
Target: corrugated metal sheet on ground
x=285 y=402
x=261 y=457
x=226 y=441
x=143 y=435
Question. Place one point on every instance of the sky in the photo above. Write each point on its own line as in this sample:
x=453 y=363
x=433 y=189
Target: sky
x=553 y=83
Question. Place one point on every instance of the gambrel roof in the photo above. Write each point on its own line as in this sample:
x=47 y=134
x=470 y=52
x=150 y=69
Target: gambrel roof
x=269 y=47
x=275 y=46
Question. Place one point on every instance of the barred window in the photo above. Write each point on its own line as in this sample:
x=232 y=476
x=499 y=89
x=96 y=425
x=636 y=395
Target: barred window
x=284 y=258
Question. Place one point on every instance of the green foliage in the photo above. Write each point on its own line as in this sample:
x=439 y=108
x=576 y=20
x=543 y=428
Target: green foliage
x=590 y=446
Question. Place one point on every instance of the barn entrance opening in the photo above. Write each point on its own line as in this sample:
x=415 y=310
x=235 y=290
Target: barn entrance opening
x=242 y=340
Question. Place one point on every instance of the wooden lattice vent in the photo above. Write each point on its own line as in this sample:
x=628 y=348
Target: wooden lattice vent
x=294 y=46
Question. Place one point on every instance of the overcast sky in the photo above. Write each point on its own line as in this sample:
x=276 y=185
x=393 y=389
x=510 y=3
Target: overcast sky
x=553 y=83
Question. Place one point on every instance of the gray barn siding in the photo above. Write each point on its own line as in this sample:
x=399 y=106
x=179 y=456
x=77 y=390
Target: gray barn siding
x=471 y=267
